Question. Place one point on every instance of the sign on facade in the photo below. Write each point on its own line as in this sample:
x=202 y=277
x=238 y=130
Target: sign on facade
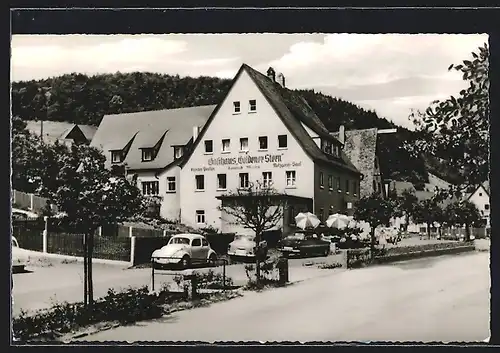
x=247 y=162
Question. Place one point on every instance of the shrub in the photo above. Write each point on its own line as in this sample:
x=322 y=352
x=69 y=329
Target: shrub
x=269 y=274
x=330 y=266
x=358 y=258
x=207 y=280
x=125 y=307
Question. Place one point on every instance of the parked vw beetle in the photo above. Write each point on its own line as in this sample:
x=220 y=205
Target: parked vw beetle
x=184 y=250
x=303 y=243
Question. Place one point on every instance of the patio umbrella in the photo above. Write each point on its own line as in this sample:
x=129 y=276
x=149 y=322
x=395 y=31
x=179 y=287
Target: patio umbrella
x=338 y=220
x=306 y=219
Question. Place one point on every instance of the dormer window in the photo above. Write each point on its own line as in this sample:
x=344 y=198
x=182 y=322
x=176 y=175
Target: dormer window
x=178 y=151
x=328 y=147
x=147 y=154
x=116 y=156
x=336 y=150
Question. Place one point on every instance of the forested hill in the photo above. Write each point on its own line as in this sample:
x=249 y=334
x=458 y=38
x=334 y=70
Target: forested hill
x=82 y=99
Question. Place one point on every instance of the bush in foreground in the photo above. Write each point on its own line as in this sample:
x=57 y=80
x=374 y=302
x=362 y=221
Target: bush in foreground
x=125 y=307
x=207 y=280
x=269 y=274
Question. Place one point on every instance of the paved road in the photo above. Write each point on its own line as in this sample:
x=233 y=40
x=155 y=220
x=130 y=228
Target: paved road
x=41 y=286
x=438 y=299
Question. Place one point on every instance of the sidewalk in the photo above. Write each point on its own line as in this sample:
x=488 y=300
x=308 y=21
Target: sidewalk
x=37 y=257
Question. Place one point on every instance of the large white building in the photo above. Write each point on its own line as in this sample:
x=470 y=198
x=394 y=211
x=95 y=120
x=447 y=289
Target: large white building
x=260 y=131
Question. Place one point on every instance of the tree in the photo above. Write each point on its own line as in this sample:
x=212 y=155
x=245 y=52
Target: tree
x=91 y=197
x=428 y=211
x=459 y=213
x=405 y=204
x=456 y=129
x=27 y=159
x=376 y=211
x=258 y=207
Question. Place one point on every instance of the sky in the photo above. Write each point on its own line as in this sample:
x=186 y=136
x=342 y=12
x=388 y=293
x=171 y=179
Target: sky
x=389 y=73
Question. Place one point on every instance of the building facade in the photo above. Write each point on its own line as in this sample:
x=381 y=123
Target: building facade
x=249 y=139
x=149 y=147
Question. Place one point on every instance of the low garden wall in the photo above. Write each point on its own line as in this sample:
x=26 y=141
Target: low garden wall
x=361 y=257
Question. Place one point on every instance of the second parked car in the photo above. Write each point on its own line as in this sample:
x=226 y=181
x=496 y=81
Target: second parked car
x=302 y=243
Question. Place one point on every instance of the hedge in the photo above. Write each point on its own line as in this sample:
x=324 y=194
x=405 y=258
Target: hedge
x=361 y=257
x=125 y=307
x=424 y=252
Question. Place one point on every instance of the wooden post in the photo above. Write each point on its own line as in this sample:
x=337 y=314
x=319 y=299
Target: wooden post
x=164 y=233
x=130 y=231
x=45 y=235
x=132 y=250
x=32 y=202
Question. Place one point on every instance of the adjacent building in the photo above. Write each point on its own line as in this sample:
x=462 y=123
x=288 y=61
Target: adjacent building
x=62 y=132
x=190 y=157
x=480 y=196
x=150 y=146
x=361 y=148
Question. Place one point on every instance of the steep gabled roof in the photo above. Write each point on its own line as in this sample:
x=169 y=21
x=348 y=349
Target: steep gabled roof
x=292 y=109
x=485 y=185
x=174 y=125
x=88 y=131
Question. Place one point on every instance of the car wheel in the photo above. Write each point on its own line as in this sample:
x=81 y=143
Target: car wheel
x=327 y=251
x=185 y=262
x=212 y=260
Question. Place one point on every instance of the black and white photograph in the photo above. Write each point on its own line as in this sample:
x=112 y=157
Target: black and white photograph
x=258 y=187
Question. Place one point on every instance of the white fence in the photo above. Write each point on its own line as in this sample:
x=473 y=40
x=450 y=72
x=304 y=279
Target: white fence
x=31 y=202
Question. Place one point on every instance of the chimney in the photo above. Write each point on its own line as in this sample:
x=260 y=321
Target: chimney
x=271 y=74
x=342 y=134
x=281 y=79
x=196 y=131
